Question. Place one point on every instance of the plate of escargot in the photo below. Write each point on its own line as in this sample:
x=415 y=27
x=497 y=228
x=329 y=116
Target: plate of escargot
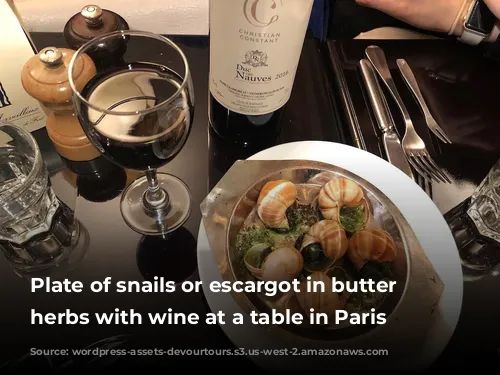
x=313 y=225
x=321 y=211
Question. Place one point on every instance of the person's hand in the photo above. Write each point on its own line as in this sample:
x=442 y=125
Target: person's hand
x=432 y=15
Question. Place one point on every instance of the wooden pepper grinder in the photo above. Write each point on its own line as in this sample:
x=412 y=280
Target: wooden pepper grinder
x=92 y=22
x=45 y=78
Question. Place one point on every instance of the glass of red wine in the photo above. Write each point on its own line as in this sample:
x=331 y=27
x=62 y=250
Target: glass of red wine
x=138 y=114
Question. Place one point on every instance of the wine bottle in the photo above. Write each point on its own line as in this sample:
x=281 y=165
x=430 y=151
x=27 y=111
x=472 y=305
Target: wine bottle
x=255 y=46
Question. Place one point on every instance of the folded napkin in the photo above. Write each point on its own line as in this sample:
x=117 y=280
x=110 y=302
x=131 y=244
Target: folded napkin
x=459 y=84
x=463 y=100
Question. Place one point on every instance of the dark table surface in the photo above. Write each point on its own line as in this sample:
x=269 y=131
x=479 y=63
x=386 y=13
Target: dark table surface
x=114 y=249
x=457 y=82
x=313 y=113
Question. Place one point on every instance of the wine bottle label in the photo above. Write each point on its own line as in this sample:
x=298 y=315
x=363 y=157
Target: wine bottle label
x=255 y=46
x=16 y=106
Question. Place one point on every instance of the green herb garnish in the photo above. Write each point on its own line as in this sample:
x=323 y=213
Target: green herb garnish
x=352 y=218
x=251 y=237
x=300 y=215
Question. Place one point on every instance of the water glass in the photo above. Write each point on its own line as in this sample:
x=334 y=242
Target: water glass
x=37 y=231
x=475 y=224
x=485 y=205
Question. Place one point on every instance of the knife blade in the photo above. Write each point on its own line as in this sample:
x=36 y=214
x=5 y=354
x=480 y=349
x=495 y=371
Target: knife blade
x=392 y=144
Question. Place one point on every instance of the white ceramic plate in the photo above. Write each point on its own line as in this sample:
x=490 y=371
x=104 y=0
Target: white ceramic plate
x=421 y=213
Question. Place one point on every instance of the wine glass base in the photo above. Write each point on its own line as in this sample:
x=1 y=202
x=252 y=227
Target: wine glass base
x=162 y=221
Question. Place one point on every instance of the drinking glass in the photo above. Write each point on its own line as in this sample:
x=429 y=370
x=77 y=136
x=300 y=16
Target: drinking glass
x=37 y=231
x=475 y=224
x=485 y=205
x=138 y=113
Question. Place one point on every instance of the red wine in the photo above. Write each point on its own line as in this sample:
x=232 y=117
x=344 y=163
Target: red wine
x=142 y=141
x=255 y=46
x=174 y=258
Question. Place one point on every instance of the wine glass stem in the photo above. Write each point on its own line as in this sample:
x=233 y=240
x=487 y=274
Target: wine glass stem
x=155 y=198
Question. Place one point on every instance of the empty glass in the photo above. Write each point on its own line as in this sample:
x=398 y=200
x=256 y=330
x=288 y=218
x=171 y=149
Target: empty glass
x=485 y=205
x=138 y=114
x=37 y=231
x=475 y=225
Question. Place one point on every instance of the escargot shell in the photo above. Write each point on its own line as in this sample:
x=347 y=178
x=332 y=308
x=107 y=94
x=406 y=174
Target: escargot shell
x=371 y=245
x=330 y=235
x=283 y=264
x=274 y=199
x=326 y=302
x=255 y=257
x=337 y=193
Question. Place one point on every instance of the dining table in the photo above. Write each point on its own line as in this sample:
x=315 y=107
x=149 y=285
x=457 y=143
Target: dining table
x=327 y=104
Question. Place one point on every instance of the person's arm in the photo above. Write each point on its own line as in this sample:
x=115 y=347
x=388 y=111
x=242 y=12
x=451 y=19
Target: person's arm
x=348 y=19
x=433 y=15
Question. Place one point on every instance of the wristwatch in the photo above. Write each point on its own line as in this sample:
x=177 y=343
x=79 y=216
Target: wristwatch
x=478 y=23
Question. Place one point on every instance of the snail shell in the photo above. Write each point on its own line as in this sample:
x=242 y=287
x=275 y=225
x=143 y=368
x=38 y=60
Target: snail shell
x=337 y=193
x=255 y=257
x=371 y=245
x=282 y=264
x=330 y=235
x=326 y=302
x=274 y=199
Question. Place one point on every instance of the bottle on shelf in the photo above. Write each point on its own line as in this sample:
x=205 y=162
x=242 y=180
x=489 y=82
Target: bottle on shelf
x=45 y=78
x=255 y=48
x=91 y=22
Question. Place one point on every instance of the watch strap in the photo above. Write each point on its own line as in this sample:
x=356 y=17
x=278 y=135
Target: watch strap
x=471 y=38
x=479 y=22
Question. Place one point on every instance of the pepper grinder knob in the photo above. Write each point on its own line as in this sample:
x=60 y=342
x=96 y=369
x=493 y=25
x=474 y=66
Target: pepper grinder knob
x=92 y=22
x=51 y=57
x=92 y=15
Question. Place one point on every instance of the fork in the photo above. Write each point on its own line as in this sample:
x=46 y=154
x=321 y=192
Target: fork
x=411 y=81
x=413 y=145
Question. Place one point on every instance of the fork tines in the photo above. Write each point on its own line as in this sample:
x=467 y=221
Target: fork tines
x=426 y=167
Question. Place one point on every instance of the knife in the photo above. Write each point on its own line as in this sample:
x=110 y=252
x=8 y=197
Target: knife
x=392 y=144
